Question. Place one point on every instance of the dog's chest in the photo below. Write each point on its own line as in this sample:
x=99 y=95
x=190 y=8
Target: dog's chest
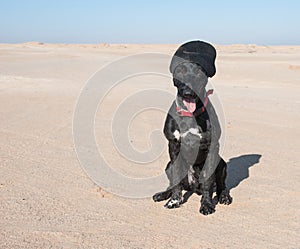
x=192 y=129
x=201 y=123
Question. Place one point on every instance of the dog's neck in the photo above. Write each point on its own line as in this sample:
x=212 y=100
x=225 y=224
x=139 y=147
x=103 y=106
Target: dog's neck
x=201 y=104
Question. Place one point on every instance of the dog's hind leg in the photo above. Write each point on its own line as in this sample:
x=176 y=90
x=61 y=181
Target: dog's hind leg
x=222 y=192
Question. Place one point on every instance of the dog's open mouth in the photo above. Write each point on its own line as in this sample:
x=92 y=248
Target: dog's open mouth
x=190 y=104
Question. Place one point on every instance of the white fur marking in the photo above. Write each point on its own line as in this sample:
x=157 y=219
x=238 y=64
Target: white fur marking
x=176 y=134
x=172 y=202
x=194 y=131
x=191 y=178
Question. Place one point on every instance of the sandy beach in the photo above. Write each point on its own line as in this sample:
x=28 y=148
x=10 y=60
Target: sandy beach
x=48 y=201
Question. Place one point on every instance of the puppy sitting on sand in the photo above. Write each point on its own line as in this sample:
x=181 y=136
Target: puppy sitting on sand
x=193 y=131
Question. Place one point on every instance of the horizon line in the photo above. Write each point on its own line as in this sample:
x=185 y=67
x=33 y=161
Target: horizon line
x=131 y=43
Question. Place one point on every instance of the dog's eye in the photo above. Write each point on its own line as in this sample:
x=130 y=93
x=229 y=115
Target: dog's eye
x=181 y=69
x=197 y=70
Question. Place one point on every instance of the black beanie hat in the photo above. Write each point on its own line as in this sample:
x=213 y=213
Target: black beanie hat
x=199 y=52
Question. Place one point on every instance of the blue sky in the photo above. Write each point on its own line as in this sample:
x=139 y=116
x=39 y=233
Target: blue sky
x=260 y=22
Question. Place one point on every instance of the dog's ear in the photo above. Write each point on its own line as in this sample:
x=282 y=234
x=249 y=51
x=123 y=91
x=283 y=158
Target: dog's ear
x=177 y=83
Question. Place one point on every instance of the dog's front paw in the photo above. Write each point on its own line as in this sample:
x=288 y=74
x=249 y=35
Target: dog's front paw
x=173 y=203
x=207 y=208
x=225 y=197
x=157 y=197
x=161 y=196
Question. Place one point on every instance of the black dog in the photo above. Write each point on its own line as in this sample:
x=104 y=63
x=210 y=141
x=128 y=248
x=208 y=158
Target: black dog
x=193 y=131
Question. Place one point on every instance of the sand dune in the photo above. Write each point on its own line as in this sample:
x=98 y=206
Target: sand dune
x=47 y=200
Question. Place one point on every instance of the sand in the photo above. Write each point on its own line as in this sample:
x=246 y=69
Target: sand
x=48 y=201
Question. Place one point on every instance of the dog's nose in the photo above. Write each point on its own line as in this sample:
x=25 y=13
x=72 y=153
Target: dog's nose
x=188 y=92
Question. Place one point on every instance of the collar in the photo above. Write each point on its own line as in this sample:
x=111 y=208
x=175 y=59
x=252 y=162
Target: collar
x=186 y=113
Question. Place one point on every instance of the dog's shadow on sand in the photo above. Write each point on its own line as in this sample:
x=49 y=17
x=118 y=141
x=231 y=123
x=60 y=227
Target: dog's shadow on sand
x=237 y=171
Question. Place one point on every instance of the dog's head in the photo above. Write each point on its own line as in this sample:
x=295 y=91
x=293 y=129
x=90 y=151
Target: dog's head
x=191 y=65
x=190 y=80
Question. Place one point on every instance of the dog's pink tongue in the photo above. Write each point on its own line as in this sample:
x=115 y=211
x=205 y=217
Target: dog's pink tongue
x=190 y=105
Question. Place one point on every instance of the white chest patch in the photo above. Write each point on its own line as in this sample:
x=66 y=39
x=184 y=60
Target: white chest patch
x=176 y=134
x=193 y=131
